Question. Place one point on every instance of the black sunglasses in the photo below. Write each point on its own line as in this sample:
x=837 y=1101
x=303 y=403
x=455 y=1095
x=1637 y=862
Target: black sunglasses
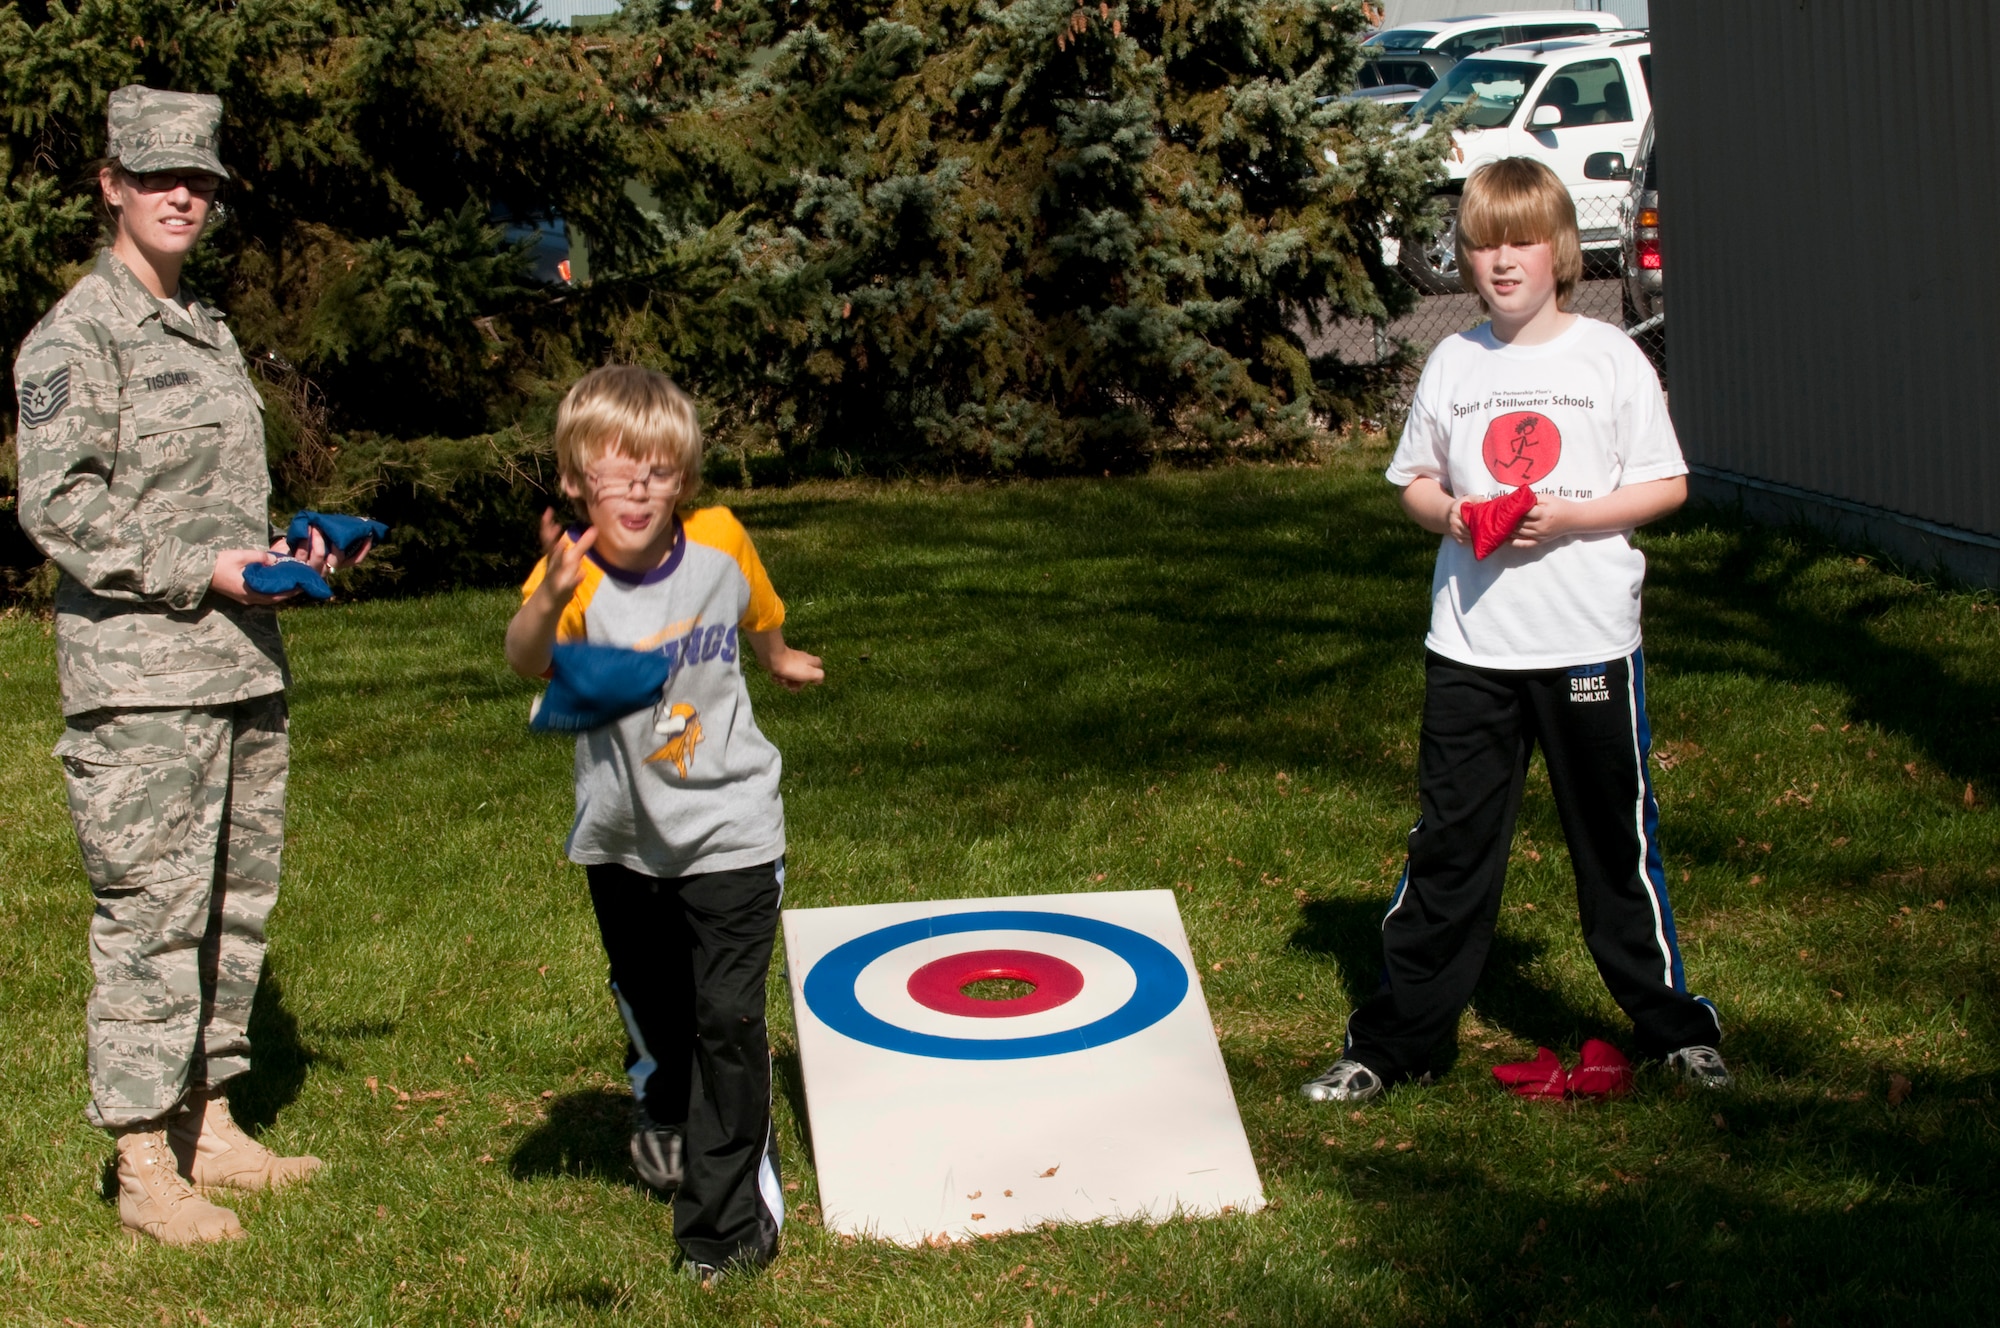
x=203 y=184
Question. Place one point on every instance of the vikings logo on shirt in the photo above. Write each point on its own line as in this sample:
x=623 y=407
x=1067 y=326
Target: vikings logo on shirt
x=1521 y=447
x=686 y=644
x=681 y=721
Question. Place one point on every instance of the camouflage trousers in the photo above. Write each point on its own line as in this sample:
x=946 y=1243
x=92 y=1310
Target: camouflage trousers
x=181 y=818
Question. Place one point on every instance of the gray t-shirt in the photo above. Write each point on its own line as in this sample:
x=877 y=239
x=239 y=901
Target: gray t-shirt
x=692 y=784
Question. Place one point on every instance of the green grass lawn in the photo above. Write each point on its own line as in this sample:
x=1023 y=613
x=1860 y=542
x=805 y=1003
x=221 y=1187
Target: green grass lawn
x=1208 y=682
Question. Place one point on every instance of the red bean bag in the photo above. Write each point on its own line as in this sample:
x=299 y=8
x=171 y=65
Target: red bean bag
x=1541 y=1077
x=1494 y=523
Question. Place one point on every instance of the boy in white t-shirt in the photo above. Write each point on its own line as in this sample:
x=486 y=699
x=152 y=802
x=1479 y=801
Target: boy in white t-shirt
x=1534 y=645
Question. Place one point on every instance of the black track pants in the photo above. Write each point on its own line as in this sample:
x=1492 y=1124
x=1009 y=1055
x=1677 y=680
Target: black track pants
x=689 y=958
x=1479 y=728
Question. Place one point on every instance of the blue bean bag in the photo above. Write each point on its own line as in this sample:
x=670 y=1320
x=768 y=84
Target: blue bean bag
x=593 y=685
x=286 y=574
x=345 y=533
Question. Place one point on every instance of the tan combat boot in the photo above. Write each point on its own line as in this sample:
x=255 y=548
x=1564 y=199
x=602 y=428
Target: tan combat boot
x=154 y=1201
x=213 y=1151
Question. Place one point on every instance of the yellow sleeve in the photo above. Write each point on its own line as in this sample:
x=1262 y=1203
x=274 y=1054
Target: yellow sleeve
x=569 y=627
x=718 y=528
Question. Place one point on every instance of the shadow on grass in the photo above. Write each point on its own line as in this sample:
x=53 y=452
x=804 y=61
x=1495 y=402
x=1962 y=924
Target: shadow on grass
x=279 y=1060
x=1508 y=995
x=788 y=1077
x=582 y=1293
x=1350 y=932
x=587 y=1134
x=1766 y=603
x=1671 y=1251
x=1702 y=1223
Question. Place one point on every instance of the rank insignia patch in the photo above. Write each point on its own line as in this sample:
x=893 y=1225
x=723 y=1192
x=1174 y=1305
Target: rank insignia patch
x=43 y=401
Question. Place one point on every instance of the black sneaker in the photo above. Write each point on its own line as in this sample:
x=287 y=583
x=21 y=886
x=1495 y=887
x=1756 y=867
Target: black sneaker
x=1701 y=1067
x=657 y=1155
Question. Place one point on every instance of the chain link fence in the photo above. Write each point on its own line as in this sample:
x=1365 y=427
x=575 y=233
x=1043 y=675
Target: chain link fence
x=1621 y=285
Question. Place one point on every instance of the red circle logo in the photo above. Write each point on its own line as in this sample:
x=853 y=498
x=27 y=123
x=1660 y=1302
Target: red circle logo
x=939 y=984
x=1522 y=447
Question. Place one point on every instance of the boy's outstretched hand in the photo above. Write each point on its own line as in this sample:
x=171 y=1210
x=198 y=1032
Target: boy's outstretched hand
x=794 y=670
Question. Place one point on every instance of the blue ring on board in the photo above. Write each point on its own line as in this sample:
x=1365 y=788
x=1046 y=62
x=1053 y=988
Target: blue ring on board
x=829 y=987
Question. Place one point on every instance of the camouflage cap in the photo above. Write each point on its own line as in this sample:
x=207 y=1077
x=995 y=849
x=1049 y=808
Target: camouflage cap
x=151 y=130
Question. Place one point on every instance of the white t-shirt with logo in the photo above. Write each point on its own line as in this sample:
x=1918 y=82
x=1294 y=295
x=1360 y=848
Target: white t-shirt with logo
x=1575 y=417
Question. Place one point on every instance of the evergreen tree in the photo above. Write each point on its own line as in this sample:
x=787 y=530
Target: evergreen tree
x=371 y=141
x=1053 y=233
x=924 y=234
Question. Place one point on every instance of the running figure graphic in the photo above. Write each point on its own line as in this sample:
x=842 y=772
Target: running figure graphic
x=1521 y=447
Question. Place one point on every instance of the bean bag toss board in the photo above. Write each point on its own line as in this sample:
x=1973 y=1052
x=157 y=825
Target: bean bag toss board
x=1092 y=1088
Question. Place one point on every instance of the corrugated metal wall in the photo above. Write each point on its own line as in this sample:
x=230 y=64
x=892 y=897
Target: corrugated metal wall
x=1831 y=179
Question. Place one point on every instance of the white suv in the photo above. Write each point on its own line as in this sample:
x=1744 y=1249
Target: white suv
x=1462 y=37
x=1560 y=102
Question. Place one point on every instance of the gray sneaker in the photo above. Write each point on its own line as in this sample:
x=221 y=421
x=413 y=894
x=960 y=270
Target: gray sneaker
x=657 y=1155
x=1700 y=1066
x=1344 y=1081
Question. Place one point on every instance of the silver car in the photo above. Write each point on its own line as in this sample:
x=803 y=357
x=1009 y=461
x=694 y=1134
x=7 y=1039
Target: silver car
x=1641 y=274
x=1639 y=242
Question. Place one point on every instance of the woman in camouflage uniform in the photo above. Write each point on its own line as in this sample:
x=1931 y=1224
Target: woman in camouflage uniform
x=142 y=475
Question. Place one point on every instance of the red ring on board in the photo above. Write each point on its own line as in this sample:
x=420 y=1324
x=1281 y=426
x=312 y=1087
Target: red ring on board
x=939 y=984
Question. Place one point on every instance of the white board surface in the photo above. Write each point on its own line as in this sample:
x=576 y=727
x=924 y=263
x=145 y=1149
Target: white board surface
x=1100 y=1095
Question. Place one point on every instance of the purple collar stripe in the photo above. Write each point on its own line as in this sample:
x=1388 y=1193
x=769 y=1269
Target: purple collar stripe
x=625 y=578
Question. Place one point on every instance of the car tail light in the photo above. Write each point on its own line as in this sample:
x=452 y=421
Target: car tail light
x=1649 y=255
x=1649 y=216
x=562 y=268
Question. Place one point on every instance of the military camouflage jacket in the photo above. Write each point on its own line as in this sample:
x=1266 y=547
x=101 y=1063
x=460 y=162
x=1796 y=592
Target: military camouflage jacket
x=141 y=458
